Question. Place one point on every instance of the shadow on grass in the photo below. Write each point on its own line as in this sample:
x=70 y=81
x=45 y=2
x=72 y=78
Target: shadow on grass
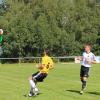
x=94 y=93
x=74 y=91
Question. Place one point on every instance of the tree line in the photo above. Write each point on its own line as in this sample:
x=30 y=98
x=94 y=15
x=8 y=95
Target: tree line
x=62 y=26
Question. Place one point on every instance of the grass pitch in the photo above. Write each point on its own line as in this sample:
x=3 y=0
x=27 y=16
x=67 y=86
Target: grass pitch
x=62 y=83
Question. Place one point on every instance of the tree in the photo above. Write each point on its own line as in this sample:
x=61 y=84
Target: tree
x=62 y=26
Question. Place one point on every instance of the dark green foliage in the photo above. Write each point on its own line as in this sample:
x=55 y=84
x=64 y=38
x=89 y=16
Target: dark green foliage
x=62 y=26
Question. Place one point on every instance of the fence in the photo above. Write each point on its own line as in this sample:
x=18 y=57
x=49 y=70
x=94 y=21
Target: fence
x=37 y=59
x=66 y=59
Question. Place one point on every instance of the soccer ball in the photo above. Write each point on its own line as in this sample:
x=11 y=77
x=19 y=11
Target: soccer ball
x=1 y=31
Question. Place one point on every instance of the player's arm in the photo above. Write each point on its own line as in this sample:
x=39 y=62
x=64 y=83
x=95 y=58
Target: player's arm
x=94 y=60
x=42 y=64
x=80 y=58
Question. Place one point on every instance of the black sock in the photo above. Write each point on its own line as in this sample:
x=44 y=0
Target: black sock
x=83 y=85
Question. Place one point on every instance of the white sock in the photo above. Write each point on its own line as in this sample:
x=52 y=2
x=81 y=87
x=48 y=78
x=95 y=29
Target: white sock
x=32 y=84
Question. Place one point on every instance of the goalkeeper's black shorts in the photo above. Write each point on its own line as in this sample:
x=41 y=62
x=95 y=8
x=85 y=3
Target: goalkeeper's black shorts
x=39 y=77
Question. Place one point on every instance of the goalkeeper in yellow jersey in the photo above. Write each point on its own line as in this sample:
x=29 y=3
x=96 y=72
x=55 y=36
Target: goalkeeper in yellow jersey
x=44 y=67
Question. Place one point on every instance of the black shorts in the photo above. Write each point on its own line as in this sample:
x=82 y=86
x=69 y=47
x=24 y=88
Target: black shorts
x=84 y=72
x=39 y=77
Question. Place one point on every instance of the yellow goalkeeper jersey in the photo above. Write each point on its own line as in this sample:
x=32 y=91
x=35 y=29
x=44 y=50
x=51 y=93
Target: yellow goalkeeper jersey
x=47 y=62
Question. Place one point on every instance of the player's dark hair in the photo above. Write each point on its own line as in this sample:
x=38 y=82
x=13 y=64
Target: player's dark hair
x=46 y=51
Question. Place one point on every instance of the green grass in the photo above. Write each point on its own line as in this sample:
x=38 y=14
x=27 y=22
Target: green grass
x=62 y=83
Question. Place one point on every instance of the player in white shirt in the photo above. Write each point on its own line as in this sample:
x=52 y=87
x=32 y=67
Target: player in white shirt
x=87 y=59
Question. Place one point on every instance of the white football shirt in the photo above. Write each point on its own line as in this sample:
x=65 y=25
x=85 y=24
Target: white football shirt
x=88 y=57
